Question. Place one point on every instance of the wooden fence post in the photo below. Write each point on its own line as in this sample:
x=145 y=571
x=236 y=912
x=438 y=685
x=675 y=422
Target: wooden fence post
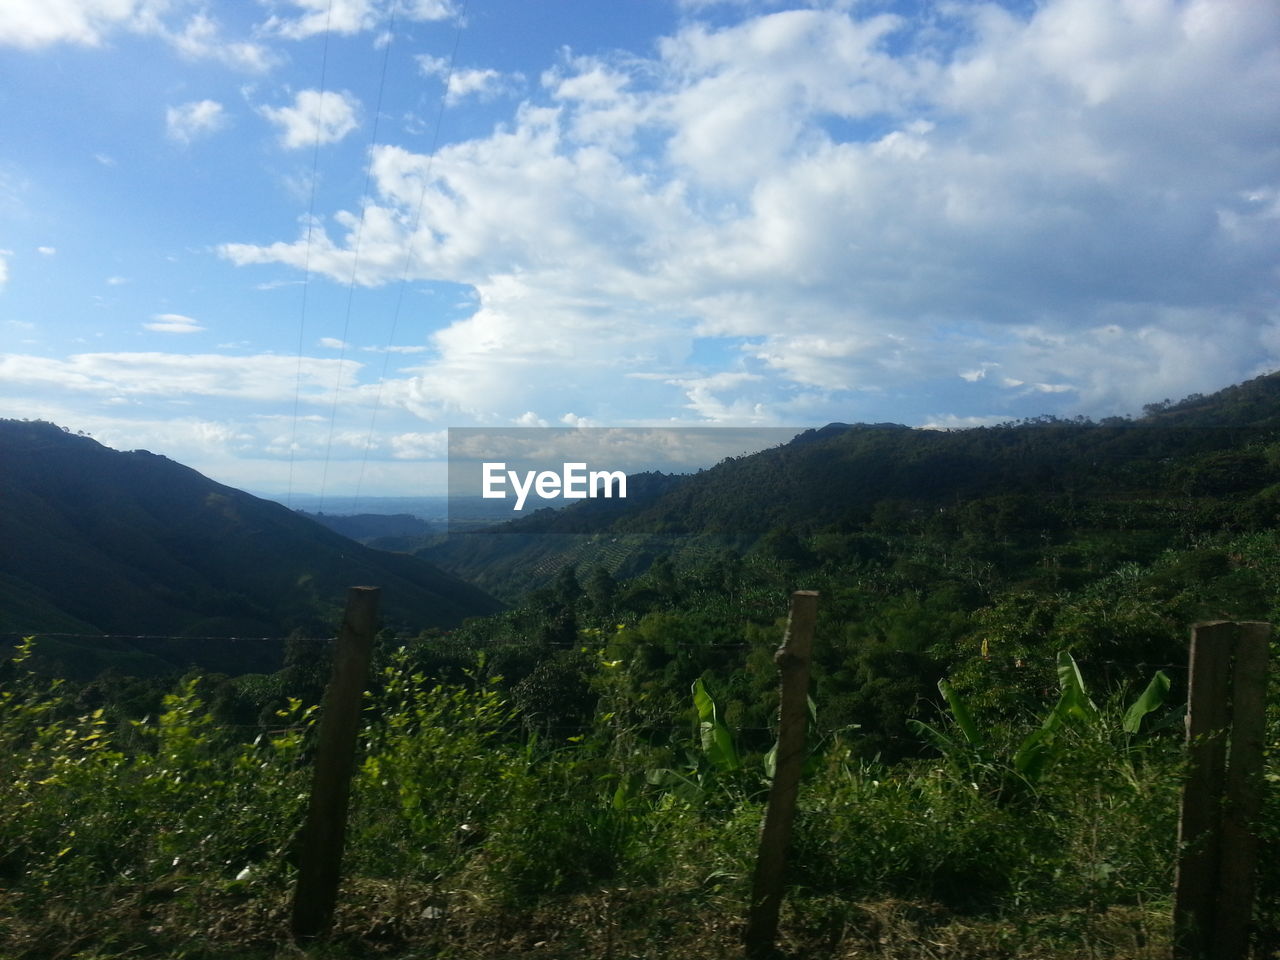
x=1239 y=845
x=792 y=659
x=323 y=834
x=1221 y=798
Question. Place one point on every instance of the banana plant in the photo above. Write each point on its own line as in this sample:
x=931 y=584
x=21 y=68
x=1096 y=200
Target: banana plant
x=1151 y=700
x=717 y=740
x=974 y=743
x=1043 y=747
x=719 y=755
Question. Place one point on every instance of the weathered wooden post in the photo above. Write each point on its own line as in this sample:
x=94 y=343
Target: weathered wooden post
x=792 y=659
x=1195 y=887
x=323 y=834
x=1222 y=794
x=1239 y=846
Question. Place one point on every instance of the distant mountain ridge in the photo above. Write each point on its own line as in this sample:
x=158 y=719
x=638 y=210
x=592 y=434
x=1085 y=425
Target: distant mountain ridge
x=842 y=478
x=94 y=540
x=369 y=527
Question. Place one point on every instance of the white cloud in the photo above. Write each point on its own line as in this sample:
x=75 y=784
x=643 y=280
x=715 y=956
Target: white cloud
x=978 y=373
x=263 y=455
x=850 y=208
x=353 y=16
x=420 y=446
x=40 y=23
x=484 y=84
x=325 y=16
x=395 y=349
x=198 y=118
x=321 y=16
x=949 y=421
x=315 y=117
x=173 y=323
x=4 y=267
x=34 y=24
x=201 y=39
x=333 y=343
x=707 y=398
x=848 y=359
x=117 y=281
x=427 y=10
x=767 y=83
x=46 y=251
x=257 y=379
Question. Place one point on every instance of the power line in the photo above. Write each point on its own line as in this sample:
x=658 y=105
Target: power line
x=408 y=247
x=355 y=258
x=306 y=264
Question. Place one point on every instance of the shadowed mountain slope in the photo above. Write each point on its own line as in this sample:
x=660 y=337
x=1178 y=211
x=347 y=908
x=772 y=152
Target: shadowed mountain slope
x=98 y=540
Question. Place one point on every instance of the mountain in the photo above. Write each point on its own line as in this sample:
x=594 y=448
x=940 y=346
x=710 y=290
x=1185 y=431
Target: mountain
x=847 y=479
x=94 y=540
x=399 y=532
x=512 y=558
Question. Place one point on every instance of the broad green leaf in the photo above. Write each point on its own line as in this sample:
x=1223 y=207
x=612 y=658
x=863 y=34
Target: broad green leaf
x=1035 y=754
x=1040 y=749
x=674 y=782
x=1075 y=701
x=1152 y=699
x=717 y=741
x=961 y=712
x=627 y=789
x=945 y=744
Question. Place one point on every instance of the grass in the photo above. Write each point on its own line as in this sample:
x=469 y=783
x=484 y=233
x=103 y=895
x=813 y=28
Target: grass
x=380 y=919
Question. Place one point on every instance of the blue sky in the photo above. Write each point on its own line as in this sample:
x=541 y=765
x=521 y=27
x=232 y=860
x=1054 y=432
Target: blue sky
x=225 y=237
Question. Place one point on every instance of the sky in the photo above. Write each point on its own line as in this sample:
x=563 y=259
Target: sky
x=291 y=243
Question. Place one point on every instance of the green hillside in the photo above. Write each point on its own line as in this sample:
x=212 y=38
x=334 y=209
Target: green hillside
x=1211 y=460
x=94 y=540
x=583 y=774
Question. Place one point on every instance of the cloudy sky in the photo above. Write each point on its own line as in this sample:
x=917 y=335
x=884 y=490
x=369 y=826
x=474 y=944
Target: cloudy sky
x=290 y=242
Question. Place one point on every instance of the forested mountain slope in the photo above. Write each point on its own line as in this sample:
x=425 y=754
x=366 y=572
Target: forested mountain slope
x=1043 y=474
x=97 y=540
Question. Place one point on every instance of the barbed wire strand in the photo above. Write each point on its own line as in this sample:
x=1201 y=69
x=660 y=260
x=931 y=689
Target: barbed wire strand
x=445 y=642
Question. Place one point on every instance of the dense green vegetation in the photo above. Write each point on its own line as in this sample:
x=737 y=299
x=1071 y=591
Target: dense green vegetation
x=474 y=836
x=1110 y=491
x=536 y=782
